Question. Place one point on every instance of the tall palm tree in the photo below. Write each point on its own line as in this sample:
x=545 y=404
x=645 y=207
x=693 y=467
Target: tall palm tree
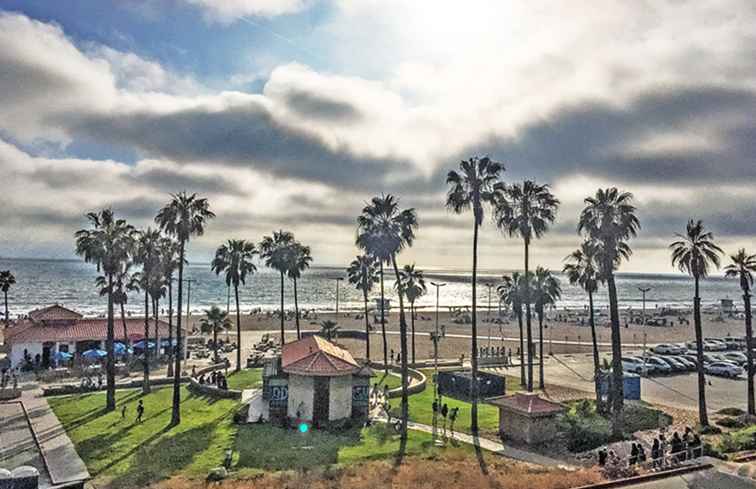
x=157 y=291
x=215 y=321
x=363 y=275
x=413 y=284
x=609 y=220
x=582 y=270
x=6 y=281
x=512 y=292
x=329 y=329
x=169 y=250
x=147 y=255
x=474 y=186
x=123 y=284
x=107 y=244
x=235 y=259
x=276 y=251
x=526 y=210
x=743 y=267
x=300 y=259
x=183 y=217
x=383 y=231
x=546 y=291
x=695 y=253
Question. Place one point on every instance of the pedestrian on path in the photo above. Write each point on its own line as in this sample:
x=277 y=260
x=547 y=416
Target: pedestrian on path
x=123 y=411
x=452 y=418
x=140 y=411
x=444 y=413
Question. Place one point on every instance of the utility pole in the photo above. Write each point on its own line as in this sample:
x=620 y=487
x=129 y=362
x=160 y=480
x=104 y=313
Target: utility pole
x=338 y=279
x=488 y=313
x=436 y=337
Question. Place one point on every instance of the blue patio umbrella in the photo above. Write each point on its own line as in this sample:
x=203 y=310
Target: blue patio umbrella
x=121 y=349
x=94 y=354
x=139 y=345
x=62 y=356
x=164 y=342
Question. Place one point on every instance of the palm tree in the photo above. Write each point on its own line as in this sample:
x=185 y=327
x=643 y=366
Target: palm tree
x=695 y=253
x=235 y=259
x=546 y=291
x=169 y=250
x=743 y=267
x=527 y=210
x=215 y=321
x=6 y=281
x=185 y=216
x=147 y=254
x=413 y=284
x=511 y=292
x=329 y=329
x=157 y=291
x=363 y=274
x=107 y=244
x=276 y=251
x=300 y=259
x=122 y=286
x=475 y=185
x=582 y=270
x=383 y=231
x=609 y=220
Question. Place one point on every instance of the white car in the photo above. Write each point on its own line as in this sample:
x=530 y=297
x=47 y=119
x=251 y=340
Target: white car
x=725 y=369
x=668 y=349
x=735 y=357
x=633 y=365
x=713 y=344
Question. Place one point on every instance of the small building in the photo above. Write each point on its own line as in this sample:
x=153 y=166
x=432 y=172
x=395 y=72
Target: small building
x=52 y=329
x=527 y=418
x=458 y=384
x=317 y=382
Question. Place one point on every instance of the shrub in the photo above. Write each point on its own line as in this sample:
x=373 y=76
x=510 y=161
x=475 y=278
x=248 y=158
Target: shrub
x=584 y=433
x=730 y=422
x=731 y=411
x=736 y=441
x=639 y=417
x=710 y=430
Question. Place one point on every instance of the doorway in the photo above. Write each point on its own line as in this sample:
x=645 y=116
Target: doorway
x=321 y=399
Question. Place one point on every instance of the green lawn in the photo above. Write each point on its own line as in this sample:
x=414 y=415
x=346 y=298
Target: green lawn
x=267 y=447
x=245 y=379
x=124 y=454
x=392 y=381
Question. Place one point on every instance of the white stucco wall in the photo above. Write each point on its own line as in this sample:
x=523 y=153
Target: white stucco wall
x=17 y=352
x=340 y=400
x=301 y=396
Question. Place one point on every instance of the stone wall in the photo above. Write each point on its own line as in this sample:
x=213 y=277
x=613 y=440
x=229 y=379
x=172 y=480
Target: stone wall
x=340 y=398
x=301 y=396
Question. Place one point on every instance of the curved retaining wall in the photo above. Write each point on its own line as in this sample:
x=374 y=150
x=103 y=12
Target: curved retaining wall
x=418 y=381
x=67 y=389
x=211 y=390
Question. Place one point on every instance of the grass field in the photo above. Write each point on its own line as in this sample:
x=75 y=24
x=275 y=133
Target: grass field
x=245 y=379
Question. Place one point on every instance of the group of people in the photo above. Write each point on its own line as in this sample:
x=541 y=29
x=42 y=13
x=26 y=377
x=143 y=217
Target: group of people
x=8 y=378
x=446 y=413
x=215 y=378
x=664 y=452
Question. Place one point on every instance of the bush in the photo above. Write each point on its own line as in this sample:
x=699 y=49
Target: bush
x=584 y=433
x=639 y=417
x=710 y=430
x=737 y=441
x=731 y=411
x=730 y=422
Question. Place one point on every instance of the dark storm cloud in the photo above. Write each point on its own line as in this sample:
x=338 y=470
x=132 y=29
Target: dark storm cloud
x=174 y=179
x=311 y=105
x=245 y=136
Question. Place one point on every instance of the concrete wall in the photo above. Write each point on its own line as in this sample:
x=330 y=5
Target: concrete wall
x=523 y=428
x=17 y=352
x=301 y=396
x=340 y=398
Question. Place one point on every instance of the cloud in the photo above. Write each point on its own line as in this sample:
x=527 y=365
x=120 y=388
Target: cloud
x=226 y=11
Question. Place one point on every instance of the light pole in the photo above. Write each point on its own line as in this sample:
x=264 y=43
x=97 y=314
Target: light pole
x=435 y=338
x=643 y=318
x=337 y=279
x=488 y=313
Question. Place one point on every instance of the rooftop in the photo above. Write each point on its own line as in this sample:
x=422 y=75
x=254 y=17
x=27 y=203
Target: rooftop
x=530 y=404
x=56 y=312
x=315 y=356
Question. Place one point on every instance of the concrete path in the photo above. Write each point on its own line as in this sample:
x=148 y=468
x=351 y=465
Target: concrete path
x=717 y=477
x=63 y=463
x=17 y=444
x=257 y=405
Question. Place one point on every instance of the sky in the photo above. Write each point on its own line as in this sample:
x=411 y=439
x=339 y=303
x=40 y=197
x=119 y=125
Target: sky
x=291 y=114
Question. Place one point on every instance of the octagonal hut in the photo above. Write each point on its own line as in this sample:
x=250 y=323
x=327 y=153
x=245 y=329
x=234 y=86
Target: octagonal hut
x=527 y=418
x=317 y=382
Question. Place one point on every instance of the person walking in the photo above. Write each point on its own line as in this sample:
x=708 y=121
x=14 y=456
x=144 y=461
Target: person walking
x=633 y=454
x=452 y=418
x=656 y=453
x=444 y=413
x=140 y=411
x=123 y=411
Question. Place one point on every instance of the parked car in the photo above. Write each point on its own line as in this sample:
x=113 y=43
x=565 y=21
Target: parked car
x=714 y=344
x=659 y=365
x=668 y=349
x=734 y=342
x=736 y=357
x=725 y=369
x=634 y=365
x=689 y=365
x=692 y=358
x=675 y=364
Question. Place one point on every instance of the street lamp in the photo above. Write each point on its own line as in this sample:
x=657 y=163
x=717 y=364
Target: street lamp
x=490 y=286
x=435 y=337
x=337 y=279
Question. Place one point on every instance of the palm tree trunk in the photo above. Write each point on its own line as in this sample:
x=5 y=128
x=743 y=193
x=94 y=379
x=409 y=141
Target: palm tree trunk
x=156 y=314
x=367 y=326
x=596 y=367
x=7 y=318
x=403 y=348
x=474 y=341
x=146 y=361
x=170 y=327
x=282 y=310
x=618 y=377
x=216 y=359
x=703 y=417
x=238 y=328
x=296 y=309
x=749 y=352
x=523 y=379
x=176 y=409
x=541 y=382
x=412 y=319
x=110 y=403
x=383 y=327
x=528 y=319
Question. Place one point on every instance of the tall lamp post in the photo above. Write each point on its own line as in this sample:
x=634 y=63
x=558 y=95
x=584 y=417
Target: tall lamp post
x=337 y=279
x=488 y=313
x=435 y=337
x=643 y=317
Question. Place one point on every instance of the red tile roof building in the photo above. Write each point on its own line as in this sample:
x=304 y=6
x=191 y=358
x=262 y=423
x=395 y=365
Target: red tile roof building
x=316 y=356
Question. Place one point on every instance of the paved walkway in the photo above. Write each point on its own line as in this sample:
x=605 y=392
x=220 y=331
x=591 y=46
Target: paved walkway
x=17 y=445
x=257 y=405
x=63 y=463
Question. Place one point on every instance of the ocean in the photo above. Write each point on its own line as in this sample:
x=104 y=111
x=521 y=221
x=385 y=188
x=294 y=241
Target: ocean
x=71 y=283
